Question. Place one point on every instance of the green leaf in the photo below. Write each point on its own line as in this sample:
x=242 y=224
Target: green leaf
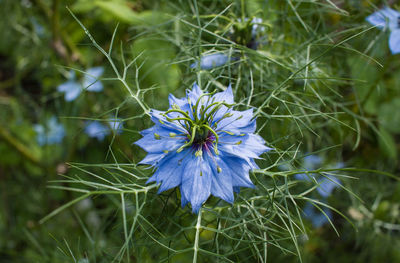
x=389 y=115
x=123 y=12
x=387 y=143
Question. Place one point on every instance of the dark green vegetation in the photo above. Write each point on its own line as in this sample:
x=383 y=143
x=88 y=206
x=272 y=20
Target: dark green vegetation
x=321 y=81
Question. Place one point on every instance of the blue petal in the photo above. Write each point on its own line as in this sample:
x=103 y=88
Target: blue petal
x=312 y=162
x=240 y=122
x=90 y=80
x=211 y=61
x=95 y=129
x=327 y=185
x=394 y=41
x=184 y=201
x=248 y=146
x=40 y=134
x=72 y=90
x=303 y=177
x=255 y=28
x=53 y=133
x=239 y=169
x=116 y=125
x=196 y=182
x=181 y=103
x=226 y=95
x=171 y=169
x=158 y=118
x=317 y=218
x=383 y=16
x=377 y=19
x=221 y=185
x=194 y=94
x=157 y=139
x=152 y=158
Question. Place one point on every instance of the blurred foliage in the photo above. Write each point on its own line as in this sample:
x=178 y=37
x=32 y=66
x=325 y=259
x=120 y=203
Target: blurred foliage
x=322 y=81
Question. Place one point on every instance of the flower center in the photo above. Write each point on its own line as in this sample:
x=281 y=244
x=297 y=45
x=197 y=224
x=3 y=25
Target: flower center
x=201 y=136
x=200 y=133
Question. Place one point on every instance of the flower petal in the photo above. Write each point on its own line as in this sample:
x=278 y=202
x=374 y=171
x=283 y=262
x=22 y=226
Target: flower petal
x=221 y=185
x=317 y=218
x=211 y=61
x=394 y=41
x=239 y=169
x=327 y=185
x=377 y=19
x=248 y=146
x=95 y=129
x=196 y=182
x=157 y=139
x=171 y=169
x=72 y=90
x=91 y=80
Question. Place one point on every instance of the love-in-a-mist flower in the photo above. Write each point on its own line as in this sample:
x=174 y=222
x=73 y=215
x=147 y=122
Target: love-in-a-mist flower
x=326 y=183
x=316 y=217
x=90 y=82
x=211 y=61
x=96 y=129
x=51 y=133
x=388 y=18
x=203 y=146
x=247 y=32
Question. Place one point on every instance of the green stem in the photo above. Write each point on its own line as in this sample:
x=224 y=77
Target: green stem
x=21 y=148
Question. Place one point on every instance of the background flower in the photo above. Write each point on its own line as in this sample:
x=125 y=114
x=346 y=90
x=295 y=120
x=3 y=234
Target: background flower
x=390 y=18
x=72 y=88
x=96 y=129
x=211 y=61
x=52 y=133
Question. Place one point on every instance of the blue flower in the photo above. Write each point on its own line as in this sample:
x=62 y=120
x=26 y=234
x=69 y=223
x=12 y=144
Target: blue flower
x=203 y=146
x=72 y=88
x=211 y=61
x=95 y=129
x=310 y=162
x=327 y=183
x=52 y=133
x=317 y=218
x=390 y=18
x=255 y=25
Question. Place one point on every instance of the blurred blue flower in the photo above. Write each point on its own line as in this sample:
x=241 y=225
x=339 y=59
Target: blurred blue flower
x=52 y=133
x=327 y=183
x=255 y=25
x=96 y=129
x=72 y=88
x=211 y=61
x=203 y=146
x=390 y=18
x=316 y=217
x=116 y=125
x=90 y=80
x=310 y=162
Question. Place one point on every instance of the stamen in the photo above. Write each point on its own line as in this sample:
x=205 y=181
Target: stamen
x=172 y=134
x=191 y=139
x=199 y=152
x=216 y=137
x=178 y=111
x=219 y=169
x=198 y=101
x=157 y=136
